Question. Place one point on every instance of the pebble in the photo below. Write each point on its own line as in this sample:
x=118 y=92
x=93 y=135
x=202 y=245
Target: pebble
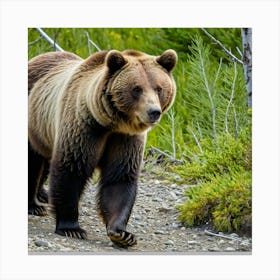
x=41 y=243
x=137 y=218
x=245 y=243
x=214 y=249
x=169 y=242
x=160 y=232
x=173 y=194
x=175 y=225
x=165 y=209
x=192 y=242
x=230 y=249
x=66 y=249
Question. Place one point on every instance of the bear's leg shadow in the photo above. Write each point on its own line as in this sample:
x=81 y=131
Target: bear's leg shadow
x=38 y=169
x=66 y=186
x=120 y=166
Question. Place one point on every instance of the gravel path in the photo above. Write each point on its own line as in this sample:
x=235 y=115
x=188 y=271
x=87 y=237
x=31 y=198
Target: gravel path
x=153 y=220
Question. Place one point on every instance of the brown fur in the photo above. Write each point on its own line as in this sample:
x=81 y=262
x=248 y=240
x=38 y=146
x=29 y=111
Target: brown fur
x=93 y=113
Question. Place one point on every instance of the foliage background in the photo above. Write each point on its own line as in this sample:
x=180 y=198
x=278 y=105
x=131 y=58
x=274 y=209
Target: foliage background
x=209 y=127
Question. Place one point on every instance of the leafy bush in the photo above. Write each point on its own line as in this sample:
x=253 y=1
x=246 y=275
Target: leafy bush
x=222 y=195
x=225 y=155
x=224 y=201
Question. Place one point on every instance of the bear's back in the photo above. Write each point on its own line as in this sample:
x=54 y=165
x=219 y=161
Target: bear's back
x=41 y=65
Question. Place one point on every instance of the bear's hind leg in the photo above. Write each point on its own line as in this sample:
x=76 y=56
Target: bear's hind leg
x=37 y=174
x=65 y=191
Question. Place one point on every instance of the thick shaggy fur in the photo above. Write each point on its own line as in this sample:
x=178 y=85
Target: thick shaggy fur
x=93 y=113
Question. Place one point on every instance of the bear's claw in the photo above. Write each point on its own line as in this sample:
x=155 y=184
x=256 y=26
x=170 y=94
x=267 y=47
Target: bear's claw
x=73 y=233
x=122 y=238
x=37 y=210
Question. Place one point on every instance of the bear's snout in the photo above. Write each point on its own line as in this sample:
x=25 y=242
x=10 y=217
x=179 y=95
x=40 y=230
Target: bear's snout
x=154 y=114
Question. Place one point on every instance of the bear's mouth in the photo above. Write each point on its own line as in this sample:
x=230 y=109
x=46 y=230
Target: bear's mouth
x=147 y=122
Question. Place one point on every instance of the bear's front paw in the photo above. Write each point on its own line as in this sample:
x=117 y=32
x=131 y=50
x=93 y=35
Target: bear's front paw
x=122 y=238
x=74 y=233
x=37 y=210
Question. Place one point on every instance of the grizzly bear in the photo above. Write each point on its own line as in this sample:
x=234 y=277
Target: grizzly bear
x=88 y=114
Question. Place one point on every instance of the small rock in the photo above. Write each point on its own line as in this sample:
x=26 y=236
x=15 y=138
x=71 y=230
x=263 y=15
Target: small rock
x=169 y=242
x=41 y=243
x=160 y=232
x=175 y=225
x=65 y=249
x=214 y=249
x=173 y=194
x=137 y=218
x=192 y=242
x=164 y=209
x=230 y=249
x=156 y=182
x=245 y=243
x=234 y=235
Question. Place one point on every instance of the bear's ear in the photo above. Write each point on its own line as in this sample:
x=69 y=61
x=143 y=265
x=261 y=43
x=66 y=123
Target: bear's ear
x=167 y=60
x=115 y=61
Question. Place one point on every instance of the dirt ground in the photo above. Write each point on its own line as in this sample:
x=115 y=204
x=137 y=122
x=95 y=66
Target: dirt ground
x=153 y=220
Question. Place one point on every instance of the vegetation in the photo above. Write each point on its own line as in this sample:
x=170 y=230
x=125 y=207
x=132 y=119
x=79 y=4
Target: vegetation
x=209 y=127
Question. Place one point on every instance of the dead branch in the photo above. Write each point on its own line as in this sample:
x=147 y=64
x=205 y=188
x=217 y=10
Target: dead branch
x=90 y=42
x=50 y=40
x=232 y=56
x=207 y=232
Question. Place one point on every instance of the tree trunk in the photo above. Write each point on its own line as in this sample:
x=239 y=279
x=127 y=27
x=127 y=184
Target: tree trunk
x=247 y=61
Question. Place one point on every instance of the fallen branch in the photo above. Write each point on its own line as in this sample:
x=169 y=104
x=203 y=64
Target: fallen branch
x=207 y=232
x=50 y=40
x=232 y=56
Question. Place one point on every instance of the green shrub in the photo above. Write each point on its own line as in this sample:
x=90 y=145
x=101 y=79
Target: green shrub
x=213 y=159
x=225 y=202
x=222 y=196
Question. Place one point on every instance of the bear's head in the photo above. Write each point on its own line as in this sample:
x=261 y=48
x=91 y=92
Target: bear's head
x=137 y=90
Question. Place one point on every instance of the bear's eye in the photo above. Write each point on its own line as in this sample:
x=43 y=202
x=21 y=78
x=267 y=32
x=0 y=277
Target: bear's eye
x=137 y=91
x=159 y=90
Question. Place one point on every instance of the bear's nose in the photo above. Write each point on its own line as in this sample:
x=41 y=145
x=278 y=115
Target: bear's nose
x=154 y=114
